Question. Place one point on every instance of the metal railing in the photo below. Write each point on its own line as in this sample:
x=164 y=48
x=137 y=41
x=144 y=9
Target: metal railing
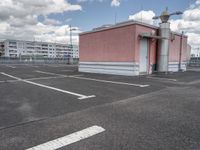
x=34 y=60
x=194 y=61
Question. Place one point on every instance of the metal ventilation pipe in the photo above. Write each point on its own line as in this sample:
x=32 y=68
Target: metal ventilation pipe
x=163 y=47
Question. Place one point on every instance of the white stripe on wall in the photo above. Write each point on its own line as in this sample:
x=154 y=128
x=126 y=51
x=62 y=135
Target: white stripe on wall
x=174 y=66
x=109 y=63
x=117 y=68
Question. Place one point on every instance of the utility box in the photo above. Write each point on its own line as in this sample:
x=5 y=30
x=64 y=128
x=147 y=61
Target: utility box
x=129 y=48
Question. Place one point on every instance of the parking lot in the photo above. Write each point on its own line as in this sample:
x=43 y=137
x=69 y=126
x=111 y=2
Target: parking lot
x=56 y=106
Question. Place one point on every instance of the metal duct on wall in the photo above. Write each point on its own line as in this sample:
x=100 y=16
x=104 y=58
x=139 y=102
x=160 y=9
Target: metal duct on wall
x=163 y=47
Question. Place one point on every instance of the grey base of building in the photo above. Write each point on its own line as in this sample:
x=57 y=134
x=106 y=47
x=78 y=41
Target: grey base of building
x=174 y=66
x=121 y=68
x=115 y=68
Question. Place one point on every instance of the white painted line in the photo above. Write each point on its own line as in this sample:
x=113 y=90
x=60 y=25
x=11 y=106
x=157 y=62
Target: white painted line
x=55 y=66
x=69 y=139
x=113 y=82
x=11 y=66
x=35 y=66
x=86 y=97
x=160 y=78
x=49 y=73
x=49 y=87
x=55 y=74
x=31 y=79
x=44 y=78
x=78 y=75
x=9 y=81
x=10 y=76
x=97 y=80
x=67 y=70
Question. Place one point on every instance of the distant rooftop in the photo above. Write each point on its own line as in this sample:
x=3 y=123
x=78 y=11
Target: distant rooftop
x=42 y=42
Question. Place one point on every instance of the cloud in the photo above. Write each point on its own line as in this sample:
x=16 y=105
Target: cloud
x=19 y=19
x=194 y=39
x=49 y=21
x=22 y=8
x=82 y=1
x=189 y=23
x=115 y=3
x=143 y=16
x=192 y=14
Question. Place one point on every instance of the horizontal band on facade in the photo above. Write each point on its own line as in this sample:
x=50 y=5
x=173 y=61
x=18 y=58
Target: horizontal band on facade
x=113 y=68
x=109 y=63
x=114 y=72
x=174 y=66
x=177 y=63
x=129 y=69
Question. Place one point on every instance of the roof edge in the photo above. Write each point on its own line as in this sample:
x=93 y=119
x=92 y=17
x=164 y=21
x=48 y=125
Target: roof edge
x=121 y=24
x=127 y=23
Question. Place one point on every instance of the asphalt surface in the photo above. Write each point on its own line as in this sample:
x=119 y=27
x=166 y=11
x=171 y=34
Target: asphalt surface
x=163 y=115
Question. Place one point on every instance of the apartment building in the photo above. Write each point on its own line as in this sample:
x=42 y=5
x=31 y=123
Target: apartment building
x=17 y=49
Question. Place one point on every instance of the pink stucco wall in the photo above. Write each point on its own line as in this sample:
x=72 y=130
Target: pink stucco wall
x=122 y=44
x=175 y=47
x=112 y=45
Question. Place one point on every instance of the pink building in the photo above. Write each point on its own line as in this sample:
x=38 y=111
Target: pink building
x=128 y=48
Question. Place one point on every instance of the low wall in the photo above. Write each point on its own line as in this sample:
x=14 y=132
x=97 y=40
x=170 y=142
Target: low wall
x=37 y=61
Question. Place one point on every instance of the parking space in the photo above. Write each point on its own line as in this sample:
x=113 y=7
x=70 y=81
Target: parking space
x=22 y=72
x=44 y=104
x=184 y=77
x=36 y=94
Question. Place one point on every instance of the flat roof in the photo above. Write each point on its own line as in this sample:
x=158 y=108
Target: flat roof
x=126 y=23
x=120 y=24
